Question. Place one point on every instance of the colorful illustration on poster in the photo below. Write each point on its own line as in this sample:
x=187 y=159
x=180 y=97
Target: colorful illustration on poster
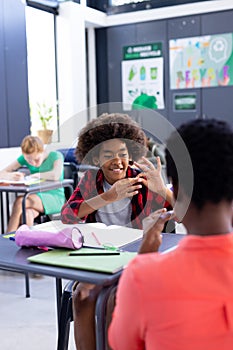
x=142 y=77
x=204 y=61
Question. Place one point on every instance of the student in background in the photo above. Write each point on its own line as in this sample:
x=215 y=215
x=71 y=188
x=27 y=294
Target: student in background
x=116 y=193
x=183 y=299
x=41 y=164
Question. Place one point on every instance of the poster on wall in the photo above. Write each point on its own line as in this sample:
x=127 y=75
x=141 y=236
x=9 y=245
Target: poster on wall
x=142 y=77
x=200 y=62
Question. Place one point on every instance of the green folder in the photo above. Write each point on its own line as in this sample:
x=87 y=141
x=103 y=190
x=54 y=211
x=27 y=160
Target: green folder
x=99 y=263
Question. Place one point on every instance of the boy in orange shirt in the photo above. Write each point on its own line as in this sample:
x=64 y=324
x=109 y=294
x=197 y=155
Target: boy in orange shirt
x=183 y=299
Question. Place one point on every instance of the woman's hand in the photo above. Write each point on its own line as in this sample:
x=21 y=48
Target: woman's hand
x=152 y=228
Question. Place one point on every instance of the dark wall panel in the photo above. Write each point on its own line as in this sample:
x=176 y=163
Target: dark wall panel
x=117 y=38
x=3 y=112
x=220 y=22
x=101 y=65
x=183 y=27
x=16 y=72
x=13 y=63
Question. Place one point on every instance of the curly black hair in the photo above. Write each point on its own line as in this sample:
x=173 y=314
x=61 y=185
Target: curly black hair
x=210 y=146
x=107 y=127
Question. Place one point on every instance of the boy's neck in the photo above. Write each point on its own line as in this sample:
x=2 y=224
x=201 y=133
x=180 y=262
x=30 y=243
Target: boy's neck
x=212 y=219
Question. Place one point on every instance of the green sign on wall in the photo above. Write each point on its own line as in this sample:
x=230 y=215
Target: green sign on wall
x=142 y=51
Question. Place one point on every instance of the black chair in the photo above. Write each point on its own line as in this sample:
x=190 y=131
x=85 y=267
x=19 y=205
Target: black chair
x=65 y=317
x=76 y=168
x=68 y=154
x=71 y=172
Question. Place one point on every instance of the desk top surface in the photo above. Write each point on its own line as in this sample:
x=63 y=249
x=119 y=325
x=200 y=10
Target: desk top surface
x=45 y=185
x=14 y=257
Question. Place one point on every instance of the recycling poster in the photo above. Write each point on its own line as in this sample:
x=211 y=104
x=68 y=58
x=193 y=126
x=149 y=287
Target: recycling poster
x=200 y=62
x=142 y=77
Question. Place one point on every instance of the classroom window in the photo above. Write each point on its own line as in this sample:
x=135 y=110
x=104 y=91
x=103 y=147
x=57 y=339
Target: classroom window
x=41 y=56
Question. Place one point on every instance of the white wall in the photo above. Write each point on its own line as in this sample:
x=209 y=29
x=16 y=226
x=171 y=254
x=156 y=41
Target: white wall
x=8 y=155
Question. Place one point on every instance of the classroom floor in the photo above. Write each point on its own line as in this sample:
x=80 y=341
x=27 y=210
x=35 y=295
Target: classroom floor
x=28 y=323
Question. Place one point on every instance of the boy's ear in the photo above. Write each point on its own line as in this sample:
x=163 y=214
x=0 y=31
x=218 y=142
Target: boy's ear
x=95 y=160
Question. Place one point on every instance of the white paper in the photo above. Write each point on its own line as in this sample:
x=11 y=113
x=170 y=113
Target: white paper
x=97 y=235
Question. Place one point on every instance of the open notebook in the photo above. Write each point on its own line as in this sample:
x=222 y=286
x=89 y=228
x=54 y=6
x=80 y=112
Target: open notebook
x=27 y=181
x=97 y=235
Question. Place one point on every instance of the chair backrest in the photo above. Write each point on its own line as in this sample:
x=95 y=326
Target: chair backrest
x=68 y=154
x=70 y=172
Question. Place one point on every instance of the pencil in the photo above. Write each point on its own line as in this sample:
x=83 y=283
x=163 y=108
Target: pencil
x=94 y=254
x=96 y=238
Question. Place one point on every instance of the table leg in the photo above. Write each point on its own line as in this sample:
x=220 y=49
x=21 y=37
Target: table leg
x=24 y=208
x=7 y=207
x=2 y=213
x=100 y=317
x=27 y=285
x=59 y=296
x=65 y=317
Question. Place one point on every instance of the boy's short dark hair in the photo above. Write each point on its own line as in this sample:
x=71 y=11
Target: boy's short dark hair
x=210 y=146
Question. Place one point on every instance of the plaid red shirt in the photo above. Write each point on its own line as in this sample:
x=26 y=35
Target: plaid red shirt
x=91 y=185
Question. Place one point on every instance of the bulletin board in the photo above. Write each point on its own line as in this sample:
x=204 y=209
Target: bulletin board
x=201 y=61
x=142 y=76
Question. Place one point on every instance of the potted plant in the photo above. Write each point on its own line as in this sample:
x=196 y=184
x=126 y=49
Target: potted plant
x=45 y=113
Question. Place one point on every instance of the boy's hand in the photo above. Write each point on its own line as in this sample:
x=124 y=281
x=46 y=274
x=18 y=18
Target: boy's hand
x=151 y=176
x=152 y=228
x=16 y=176
x=124 y=188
